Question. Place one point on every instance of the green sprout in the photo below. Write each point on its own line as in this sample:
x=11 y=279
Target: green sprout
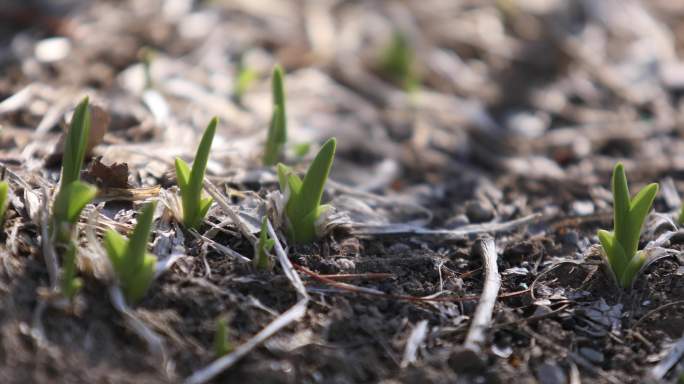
x=303 y=206
x=195 y=207
x=277 y=131
x=4 y=199
x=69 y=202
x=132 y=264
x=620 y=245
x=398 y=62
x=222 y=345
x=76 y=143
x=70 y=284
x=146 y=55
x=73 y=195
x=245 y=78
x=680 y=218
x=301 y=149
x=263 y=246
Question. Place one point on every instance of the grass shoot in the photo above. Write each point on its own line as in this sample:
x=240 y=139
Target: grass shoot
x=73 y=195
x=245 y=78
x=620 y=245
x=222 y=345
x=303 y=207
x=263 y=247
x=398 y=62
x=70 y=284
x=277 y=131
x=191 y=182
x=4 y=199
x=133 y=265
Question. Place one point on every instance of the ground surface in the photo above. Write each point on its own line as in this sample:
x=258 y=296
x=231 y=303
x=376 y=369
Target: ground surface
x=524 y=108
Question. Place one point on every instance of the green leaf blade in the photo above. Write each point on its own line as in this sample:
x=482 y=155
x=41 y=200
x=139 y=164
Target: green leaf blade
x=199 y=165
x=273 y=145
x=137 y=244
x=638 y=211
x=76 y=143
x=277 y=130
x=79 y=195
x=139 y=284
x=621 y=203
x=221 y=344
x=278 y=93
x=182 y=173
x=313 y=184
x=4 y=199
x=133 y=266
x=116 y=247
x=632 y=269
x=191 y=181
x=263 y=247
x=70 y=284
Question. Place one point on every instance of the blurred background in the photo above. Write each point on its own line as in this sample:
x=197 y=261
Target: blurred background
x=432 y=91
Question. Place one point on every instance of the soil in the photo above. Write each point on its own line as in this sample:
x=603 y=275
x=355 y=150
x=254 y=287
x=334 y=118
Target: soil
x=523 y=109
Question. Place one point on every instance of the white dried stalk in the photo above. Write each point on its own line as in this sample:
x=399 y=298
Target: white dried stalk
x=223 y=203
x=47 y=244
x=291 y=315
x=417 y=337
x=673 y=356
x=483 y=313
x=285 y=263
x=225 y=250
x=405 y=229
x=214 y=369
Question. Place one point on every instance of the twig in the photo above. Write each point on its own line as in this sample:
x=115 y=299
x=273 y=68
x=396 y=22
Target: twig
x=533 y=318
x=285 y=263
x=483 y=313
x=291 y=315
x=416 y=338
x=17 y=100
x=218 y=197
x=673 y=356
x=544 y=273
x=403 y=229
x=359 y=276
x=48 y=248
x=374 y=292
x=214 y=369
x=654 y=311
x=221 y=248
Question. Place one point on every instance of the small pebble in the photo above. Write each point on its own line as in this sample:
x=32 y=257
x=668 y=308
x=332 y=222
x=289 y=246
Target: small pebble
x=592 y=355
x=582 y=207
x=52 y=49
x=549 y=373
x=527 y=124
x=346 y=265
x=479 y=212
x=457 y=221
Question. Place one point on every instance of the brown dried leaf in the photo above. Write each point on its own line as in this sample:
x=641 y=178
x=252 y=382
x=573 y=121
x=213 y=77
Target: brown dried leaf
x=100 y=120
x=107 y=176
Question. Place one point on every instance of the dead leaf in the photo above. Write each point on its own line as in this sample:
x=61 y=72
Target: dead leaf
x=107 y=176
x=100 y=120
